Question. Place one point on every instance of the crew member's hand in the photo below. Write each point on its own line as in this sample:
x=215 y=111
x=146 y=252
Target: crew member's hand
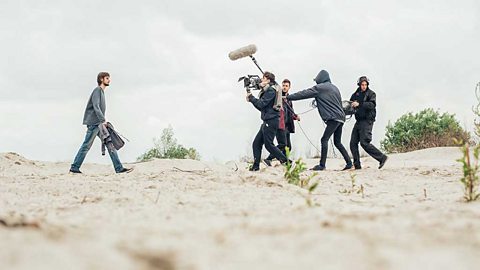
x=248 y=97
x=105 y=123
x=355 y=104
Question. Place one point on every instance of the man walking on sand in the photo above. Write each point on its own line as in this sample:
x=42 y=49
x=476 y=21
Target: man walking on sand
x=329 y=105
x=270 y=117
x=286 y=126
x=94 y=119
x=364 y=100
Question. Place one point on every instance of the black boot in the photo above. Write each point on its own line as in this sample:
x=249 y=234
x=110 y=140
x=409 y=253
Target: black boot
x=268 y=162
x=318 y=168
x=254 y=168
x=382 y=162
x=348 y=167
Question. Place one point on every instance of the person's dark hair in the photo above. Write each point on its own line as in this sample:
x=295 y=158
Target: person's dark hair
x=287 y=81
x=100 y=77
x=269 y=76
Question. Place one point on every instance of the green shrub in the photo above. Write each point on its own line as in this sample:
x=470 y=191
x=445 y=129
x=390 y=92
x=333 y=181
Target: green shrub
x=425 y=129
x=168 y=148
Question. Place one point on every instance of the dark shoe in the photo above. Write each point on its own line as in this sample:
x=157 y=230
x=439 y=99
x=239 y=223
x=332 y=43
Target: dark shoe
x=267 y=162
x=348 y=167
x=125 y=170
x=382 y=163
x=75 y=171
x=287 y=161
x=318 y=168
x=357 y=167
x=254 y=168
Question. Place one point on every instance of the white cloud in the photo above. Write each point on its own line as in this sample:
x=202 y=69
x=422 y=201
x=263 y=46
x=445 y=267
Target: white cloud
x=169 y=65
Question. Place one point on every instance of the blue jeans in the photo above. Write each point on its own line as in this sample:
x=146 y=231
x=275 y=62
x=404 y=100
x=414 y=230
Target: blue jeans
x=92 y=132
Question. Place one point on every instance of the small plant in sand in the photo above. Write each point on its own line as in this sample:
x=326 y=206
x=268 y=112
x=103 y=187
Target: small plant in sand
x=470 y=169
x=168 y=148
x=308 y=197
x=354 y=188
x=476 y=110
x=293 y=171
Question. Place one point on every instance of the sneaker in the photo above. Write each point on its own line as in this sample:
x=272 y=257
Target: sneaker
x=254 y=168
x=318 y=168
x=348 y=167
x=125 y=170
x=267 y=162
x=77 y=171
x=287 y=161
x=382 y=163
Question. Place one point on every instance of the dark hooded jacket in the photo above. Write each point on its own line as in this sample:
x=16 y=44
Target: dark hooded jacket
x=368 y=103
x=264 y=103
x=327 y=97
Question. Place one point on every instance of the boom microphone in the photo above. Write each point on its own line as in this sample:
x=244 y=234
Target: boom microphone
x=242 y=52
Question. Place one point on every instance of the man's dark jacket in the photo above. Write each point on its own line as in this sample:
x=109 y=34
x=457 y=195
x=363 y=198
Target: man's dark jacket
x=264 y=103
x=327 y=96
x=368 y=103
x=290 y=115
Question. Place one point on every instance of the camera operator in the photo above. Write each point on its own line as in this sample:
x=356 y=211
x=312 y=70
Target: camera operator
x=270 y=115
x=287 y=125
x=329 y=105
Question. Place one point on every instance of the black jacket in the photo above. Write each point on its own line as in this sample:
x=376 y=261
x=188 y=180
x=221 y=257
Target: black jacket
x=327 y=96
x=368 y=103
x=264 y=103
x=290 y=115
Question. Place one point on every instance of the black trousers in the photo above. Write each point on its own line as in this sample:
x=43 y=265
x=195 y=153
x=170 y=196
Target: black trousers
x=333 y=128
x=289 y=142
x=362 y=133
x=265 y=136
x=282 y=141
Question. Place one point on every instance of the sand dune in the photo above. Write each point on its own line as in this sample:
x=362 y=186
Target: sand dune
x=184 y=214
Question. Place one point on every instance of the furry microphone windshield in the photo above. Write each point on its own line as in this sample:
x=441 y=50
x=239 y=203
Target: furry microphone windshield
x=242 y=52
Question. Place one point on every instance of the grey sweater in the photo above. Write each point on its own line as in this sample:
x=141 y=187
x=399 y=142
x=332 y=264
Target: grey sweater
x=327 y=96
x=95 y=111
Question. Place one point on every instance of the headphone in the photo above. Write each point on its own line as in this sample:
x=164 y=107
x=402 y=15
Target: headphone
x=361 y=79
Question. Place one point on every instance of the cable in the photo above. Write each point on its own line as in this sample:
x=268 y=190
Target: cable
x=314 y=106
x=305 y=134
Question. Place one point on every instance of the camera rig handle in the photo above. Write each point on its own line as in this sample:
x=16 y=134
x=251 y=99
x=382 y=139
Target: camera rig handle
x=256 y=64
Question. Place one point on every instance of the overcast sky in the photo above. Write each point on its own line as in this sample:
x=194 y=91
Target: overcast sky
x=169 y=66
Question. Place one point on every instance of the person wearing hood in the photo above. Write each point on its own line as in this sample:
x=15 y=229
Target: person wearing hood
x=364 y=101
x=329 y=105
x=265 y=103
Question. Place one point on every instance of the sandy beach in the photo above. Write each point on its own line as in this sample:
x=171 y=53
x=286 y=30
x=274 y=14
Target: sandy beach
x=185 y=214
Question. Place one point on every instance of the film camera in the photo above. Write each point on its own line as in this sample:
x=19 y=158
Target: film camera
x=251 y=82
x=347 y=107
